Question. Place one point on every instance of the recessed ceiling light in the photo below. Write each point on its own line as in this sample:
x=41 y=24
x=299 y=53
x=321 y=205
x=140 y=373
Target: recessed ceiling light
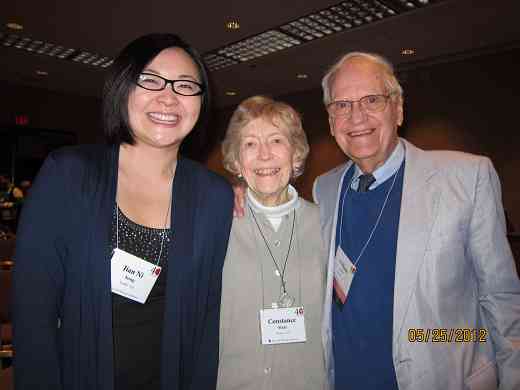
x=42 y=73
x=301 y=76
x=407 y=52
x=14 y=26
x=231 y=93
x=232 y=25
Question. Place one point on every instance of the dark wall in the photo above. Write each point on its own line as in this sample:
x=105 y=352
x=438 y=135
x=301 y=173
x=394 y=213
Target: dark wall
x=467 y=105
x=52 y=111
x=470 y=106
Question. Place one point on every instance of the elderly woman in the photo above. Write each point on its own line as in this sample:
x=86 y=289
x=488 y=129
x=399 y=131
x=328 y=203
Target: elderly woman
x=120 y=248
x=274 y=269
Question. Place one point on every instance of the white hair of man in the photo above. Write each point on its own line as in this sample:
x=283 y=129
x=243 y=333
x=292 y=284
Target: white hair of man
x=391 y=83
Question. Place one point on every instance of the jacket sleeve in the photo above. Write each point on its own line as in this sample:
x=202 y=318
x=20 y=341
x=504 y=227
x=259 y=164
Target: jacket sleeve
x=499 y=287
x=38 y=282
x=205 y=374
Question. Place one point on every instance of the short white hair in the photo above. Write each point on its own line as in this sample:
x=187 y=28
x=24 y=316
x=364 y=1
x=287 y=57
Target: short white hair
x=390 y=80
x=280 y=115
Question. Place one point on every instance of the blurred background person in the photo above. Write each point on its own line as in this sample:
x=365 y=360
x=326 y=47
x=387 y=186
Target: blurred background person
x=11 y=198
x=8 y=191
x=25 y=185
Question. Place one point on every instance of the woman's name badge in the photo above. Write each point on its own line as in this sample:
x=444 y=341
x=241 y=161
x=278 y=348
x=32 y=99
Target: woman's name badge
x=344 y=272
x=131 y=276
x=282 y=326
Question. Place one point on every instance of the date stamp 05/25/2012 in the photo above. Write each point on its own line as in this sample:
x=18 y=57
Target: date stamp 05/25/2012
x=447 y=335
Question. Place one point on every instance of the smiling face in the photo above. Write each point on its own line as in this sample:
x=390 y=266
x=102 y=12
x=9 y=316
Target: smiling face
x=367 y=138
x=163 y=119
x=266 y=161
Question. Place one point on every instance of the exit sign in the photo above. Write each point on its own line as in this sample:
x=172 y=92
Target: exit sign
x=21 y=120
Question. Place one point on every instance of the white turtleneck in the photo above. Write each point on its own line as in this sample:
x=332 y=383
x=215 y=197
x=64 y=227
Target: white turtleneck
x=274 y=214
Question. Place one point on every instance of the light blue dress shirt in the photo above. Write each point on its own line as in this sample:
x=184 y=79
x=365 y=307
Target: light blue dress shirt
x=385 y=171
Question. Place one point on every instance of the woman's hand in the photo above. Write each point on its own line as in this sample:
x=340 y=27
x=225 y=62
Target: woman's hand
x=240 y=200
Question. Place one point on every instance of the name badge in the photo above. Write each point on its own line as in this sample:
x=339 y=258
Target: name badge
x=131 y=276
x=282 y=326
x=344 y=272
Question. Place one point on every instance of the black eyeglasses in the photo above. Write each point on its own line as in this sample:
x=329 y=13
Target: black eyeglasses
x=370 y=103
x=153 y=82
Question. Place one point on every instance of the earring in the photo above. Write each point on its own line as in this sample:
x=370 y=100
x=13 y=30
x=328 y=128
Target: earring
x=239 y=176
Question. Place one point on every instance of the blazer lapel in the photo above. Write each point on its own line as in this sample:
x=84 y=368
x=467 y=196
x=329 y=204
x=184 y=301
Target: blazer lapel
x=419 y=206
x=97 y=296
x=179 y=280
x=182 y=225
x=329 y=222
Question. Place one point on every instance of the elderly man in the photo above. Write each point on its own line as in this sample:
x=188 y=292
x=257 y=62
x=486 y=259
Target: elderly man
x=422 y=288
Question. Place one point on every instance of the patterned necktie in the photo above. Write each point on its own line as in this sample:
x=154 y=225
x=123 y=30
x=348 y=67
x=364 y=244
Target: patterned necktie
x=365 y=181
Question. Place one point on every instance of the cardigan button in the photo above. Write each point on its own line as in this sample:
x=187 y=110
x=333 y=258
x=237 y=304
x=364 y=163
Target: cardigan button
x=267 y=370
x=277 y=243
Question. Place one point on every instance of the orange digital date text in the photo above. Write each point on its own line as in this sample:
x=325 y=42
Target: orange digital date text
x=447 y=335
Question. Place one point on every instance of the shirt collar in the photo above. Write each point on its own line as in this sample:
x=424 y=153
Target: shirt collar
x=385 y=171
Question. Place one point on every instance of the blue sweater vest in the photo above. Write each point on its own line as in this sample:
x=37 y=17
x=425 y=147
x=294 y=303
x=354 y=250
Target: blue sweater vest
x=362 y=328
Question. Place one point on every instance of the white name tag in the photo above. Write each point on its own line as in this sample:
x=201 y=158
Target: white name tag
x=282 y=326
x=131 y=276
x=344 y=272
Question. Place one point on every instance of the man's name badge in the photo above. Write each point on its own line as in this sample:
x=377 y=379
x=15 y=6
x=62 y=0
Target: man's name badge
x=282 y=326
x=344 y=272
x=131 y=276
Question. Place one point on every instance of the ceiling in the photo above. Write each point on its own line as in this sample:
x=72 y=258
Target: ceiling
x=439 y=32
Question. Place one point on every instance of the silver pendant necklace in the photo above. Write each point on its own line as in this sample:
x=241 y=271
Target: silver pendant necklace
x=285 y=299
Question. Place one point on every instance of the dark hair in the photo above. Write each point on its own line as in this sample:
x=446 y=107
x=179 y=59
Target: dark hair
x=120 y=81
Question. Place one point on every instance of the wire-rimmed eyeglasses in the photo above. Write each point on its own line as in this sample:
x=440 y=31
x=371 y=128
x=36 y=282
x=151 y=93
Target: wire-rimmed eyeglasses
x=153 y=82
x=369 y=103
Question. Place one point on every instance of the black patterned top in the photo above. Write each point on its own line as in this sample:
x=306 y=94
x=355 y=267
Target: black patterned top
x=137 y=328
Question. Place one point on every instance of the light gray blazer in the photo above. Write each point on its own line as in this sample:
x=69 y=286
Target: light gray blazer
x=454 y=270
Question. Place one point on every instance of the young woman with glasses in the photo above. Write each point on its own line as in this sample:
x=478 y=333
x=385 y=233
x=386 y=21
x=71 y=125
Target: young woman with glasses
x=120 y=248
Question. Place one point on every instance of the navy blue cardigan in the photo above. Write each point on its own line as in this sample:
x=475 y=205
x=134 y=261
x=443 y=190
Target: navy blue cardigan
x=62 y=271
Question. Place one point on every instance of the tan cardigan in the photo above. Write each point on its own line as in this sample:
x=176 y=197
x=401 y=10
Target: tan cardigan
x=244 y=362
